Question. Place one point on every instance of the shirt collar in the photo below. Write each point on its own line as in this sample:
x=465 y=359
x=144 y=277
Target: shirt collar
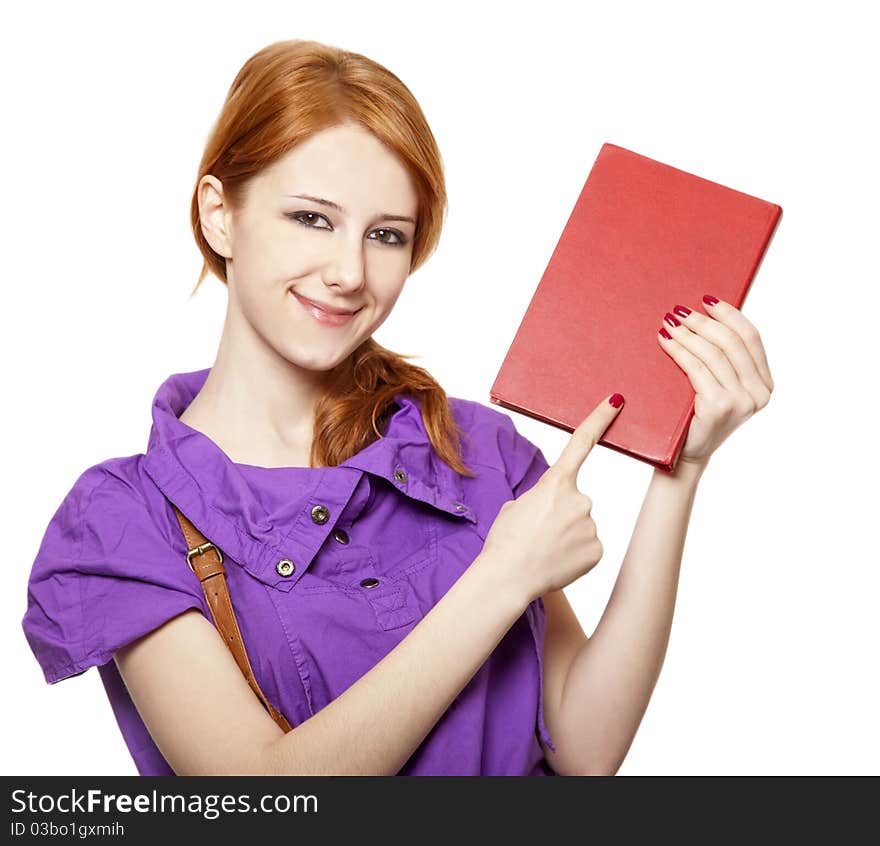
x=217 y=495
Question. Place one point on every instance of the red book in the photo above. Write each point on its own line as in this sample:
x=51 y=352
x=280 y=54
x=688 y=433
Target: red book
x=643 y=237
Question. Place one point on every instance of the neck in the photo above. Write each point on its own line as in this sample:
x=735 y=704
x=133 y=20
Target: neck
x=257 y=407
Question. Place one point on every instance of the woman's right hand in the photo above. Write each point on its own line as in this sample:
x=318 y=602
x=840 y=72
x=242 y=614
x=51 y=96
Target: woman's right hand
x=546 y=538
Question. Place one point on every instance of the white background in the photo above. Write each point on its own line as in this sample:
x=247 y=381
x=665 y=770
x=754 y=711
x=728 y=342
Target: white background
x=772 y=662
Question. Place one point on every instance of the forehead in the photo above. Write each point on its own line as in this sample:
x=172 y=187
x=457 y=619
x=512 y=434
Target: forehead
x=347 y=164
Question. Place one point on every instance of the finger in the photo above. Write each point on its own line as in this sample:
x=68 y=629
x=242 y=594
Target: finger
x=730 y=316
x=723 y=351
x=586 y=436
x=700 y=335
x=702 y=378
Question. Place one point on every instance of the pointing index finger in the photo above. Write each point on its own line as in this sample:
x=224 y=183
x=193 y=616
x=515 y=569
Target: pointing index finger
x=588 y=433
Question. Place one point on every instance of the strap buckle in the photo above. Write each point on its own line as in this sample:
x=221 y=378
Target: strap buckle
x=198 y=550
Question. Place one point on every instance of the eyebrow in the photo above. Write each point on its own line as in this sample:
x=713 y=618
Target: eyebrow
x=341 y=210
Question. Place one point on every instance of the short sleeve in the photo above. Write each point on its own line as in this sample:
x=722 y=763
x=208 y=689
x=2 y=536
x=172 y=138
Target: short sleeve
x=535 y=466
x=526 y=464
x=492 y=442
x=105 y=574
x=523 y=460
x=495 y=442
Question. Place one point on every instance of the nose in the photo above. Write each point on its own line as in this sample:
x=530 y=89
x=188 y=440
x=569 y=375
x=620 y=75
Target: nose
x=344 y=268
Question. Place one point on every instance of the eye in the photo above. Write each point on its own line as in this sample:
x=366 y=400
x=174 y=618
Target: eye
x=399 y=236
x=304 y=218
x=299 y=218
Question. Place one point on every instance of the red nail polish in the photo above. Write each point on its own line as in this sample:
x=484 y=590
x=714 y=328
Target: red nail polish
x=665 y=334
x=682 y=311
x=616 y=400
x=671 y=320
x=709 y=299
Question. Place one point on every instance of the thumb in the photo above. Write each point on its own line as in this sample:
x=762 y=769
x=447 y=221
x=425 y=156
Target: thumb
x=587 y=435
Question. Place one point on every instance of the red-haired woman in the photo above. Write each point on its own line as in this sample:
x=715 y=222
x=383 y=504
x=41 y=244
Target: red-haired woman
x=375 y=569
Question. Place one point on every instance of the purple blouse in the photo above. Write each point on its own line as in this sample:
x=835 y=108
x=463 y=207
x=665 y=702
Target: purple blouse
x=395 y=529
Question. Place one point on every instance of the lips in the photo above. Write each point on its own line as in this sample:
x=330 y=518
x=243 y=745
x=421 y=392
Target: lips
x=325 y=308
x=322 y=314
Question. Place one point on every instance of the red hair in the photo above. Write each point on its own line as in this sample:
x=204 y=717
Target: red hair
x=282 y=95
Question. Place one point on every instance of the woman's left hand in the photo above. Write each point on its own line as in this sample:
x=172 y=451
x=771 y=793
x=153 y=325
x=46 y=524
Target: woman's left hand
x=724 y=358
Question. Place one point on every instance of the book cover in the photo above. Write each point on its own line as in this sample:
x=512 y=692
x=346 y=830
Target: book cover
x=643 y=236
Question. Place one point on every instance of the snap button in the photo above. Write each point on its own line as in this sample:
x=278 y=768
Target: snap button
x=340 y=535
x=460 y=507
x=285 y=567
x=320 y=514
x=400 y=475
x=368 y=583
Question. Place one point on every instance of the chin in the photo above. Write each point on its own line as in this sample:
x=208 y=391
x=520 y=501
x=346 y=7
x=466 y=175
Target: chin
x=308 y=360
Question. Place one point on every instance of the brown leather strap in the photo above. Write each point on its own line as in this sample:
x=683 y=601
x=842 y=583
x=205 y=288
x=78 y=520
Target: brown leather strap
x=206 y=561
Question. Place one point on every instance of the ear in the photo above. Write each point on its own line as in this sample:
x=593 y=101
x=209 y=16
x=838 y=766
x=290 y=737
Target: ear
x=215 y=216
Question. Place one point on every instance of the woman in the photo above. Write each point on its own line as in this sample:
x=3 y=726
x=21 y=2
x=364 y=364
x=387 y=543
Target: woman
x=395 y=557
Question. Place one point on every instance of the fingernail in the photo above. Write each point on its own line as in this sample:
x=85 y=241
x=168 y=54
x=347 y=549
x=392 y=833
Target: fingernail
x=682 y=311
x=665 y=334
x=671 y=320
x=708 y=299
x=616 y=400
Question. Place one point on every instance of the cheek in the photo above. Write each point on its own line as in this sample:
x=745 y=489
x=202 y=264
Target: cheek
x=255 y=303
x=270 y=250
x=383 y=301
x=387 y=294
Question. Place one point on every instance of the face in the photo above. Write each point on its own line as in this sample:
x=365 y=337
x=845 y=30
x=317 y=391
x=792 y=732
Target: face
x=332 y=224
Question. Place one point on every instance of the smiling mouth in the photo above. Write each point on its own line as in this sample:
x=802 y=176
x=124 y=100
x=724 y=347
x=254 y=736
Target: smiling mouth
x=327 y=318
